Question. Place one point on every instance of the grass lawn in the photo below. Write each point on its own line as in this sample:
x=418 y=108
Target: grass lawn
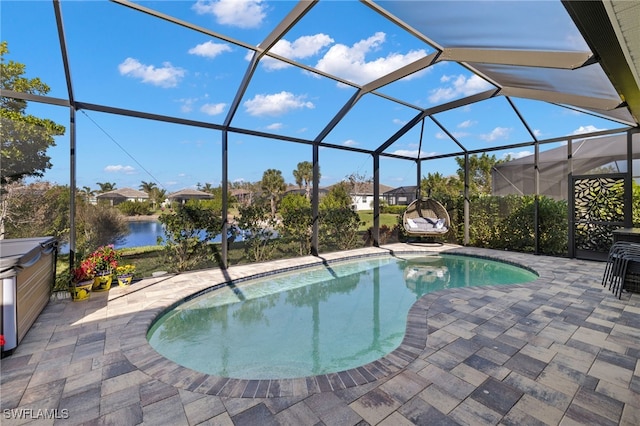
x=366 y=216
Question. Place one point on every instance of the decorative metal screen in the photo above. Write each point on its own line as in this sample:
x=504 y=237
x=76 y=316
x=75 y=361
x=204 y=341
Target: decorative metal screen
x=598 y=209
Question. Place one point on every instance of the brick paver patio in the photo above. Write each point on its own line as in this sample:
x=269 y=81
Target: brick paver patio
x=559 y=350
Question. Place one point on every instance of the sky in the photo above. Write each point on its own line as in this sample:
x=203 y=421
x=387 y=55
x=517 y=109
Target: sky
x=122 y=58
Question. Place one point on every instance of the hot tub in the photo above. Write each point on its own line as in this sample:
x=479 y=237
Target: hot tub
x=27 y=270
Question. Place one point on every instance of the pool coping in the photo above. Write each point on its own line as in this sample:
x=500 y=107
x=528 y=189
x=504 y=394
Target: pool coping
x=142 y=355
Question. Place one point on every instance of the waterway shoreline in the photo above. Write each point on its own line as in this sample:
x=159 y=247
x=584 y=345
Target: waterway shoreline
x=147 y=218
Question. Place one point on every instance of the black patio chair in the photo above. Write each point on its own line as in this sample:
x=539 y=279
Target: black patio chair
x=622 y=271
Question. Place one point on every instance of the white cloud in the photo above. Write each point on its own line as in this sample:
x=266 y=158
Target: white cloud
x=350 y=62
x=350 y=142
x=276 y=104
x=237 y=13
x=515 y=155
x=441 y=135
x=301 y=48
x=209 y=49
x=275 y=126
x=167 y=76
x=537 y=133
x=458 y=85
x=186 y=104
x=467 y=123
x=399 y=122
x=120 y=169
x=413 y=153
x=213 y=109
x=457 y=135
x=585 y=129
x=495 y=134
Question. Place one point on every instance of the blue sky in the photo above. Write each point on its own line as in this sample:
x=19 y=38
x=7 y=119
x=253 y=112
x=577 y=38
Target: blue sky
x=126 y=59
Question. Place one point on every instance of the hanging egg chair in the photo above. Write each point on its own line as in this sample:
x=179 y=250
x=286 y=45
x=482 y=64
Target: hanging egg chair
x=426 y=217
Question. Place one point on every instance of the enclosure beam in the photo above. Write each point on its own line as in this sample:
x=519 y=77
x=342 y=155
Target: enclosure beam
x=536 y=204
x=72 y=135
x=571 y=252
x=224 y=261
x=562 y=60
x=375 y=235
x=315 y=200
x=466 y=200
x=628 y=187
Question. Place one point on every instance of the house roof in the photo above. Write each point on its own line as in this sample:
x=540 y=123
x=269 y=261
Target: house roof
x=123 y=193
x=402 y=190
x=189 y=193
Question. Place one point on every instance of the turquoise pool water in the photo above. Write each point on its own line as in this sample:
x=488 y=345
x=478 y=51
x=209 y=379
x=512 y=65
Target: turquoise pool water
x=313 y=321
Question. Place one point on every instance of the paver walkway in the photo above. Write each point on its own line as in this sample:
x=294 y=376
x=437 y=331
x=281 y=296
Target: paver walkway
x=560 y=350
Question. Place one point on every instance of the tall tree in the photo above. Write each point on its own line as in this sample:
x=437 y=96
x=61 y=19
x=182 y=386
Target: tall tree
x=480 y=167
x=273 y=185
x=438 y=186
x=157 y=196
x=304 y=176
x=24 y=138
x=147 y=187
x=207 y=187
x=337 y=197
x=87 y=193
x=106 y=186
x=151 y=189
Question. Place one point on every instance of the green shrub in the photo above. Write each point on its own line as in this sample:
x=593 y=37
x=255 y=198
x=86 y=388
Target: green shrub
x=188 y=233
x=260 y=230
x=339 y=228
x=296 y=224
x=392 y=209
x=135 y=208
x=508 y=223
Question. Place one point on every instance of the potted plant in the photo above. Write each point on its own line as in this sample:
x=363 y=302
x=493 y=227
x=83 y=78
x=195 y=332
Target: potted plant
x=82 y=278
x=105 y=259
x=125 y=274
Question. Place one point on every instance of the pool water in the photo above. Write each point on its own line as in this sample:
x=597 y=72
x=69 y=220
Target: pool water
x=314 y=320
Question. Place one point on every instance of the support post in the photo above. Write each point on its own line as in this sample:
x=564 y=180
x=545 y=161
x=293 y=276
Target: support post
x=315 y=200
x=225 y=200
x=466 y=199
x=376 y=200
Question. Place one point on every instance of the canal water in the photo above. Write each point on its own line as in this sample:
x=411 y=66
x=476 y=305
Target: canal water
x=142 y=233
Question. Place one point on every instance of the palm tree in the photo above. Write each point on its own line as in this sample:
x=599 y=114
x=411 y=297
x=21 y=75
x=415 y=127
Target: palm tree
x=87 y=193
x=207 y=187
x=157 y=196
x=106 y=186
x=273 y=184
x=149 y=188
x=304 y=176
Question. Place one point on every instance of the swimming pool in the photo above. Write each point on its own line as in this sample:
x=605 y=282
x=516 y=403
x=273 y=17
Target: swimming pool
x=315 y=320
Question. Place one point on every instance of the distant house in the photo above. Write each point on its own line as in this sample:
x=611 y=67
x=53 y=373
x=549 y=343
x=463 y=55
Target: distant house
x=187 y=194
x=242 y=196
x=401 y=196
x=362 y=195
x=118 y=196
